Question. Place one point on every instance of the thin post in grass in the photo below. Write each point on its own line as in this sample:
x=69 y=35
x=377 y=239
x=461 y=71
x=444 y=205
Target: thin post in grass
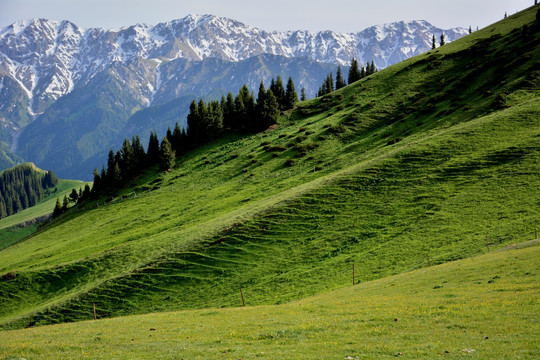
x=535 y=234
x=353 y=275
x=94 y=306
x=242 y=295
x=428 y=262
x=487 y=242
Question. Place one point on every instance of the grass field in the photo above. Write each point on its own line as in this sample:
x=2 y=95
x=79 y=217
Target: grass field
x=484 y=307
x=421 y=159
x=9 y=230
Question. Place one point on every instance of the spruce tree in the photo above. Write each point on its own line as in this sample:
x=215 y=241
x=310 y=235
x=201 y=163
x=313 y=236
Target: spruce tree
x=470 y=29
x=152 y=154
x=270 y=111
x=442 y=39
x=127 y=162
x=303 y=95
x=166 y=155
x=279 y=92
x=433 y=42
x=177 y=139
x=74 y=196
x=228 y=112
x=139 y=156
x=97 y=181
x=291 y=97
x=57 y=208
x=65 y=203
x=354 y=72
x=339 y=79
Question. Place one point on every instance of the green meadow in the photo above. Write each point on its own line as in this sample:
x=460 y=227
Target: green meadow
x=484 y=307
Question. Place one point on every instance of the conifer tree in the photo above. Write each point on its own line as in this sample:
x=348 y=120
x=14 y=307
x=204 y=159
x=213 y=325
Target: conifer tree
x=166 y=156
x=110 y=169
x=117 y=175
x=74 y=196
x=354 y=72
x=339 y=79
x=228 y=112
x=97 y=180
x=433 y=42
x=139 y=156
x=87 y=191
x=270 y=111
x=291 y=97
x=177 y=139
x=470 y=29
x=279 y=92
x=127 y=161
x=65 y=203
x=57 y=208
x=152 y=154
x=442 y=39
x=303 y=95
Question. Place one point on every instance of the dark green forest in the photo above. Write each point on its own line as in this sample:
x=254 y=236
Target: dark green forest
x=22 y=187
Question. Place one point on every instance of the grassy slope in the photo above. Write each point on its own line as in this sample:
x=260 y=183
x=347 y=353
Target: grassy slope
x=234 y=215
x=485 y=307
x=9 y=233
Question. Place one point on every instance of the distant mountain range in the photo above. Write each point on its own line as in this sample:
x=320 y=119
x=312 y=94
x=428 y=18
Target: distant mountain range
x=68 y=94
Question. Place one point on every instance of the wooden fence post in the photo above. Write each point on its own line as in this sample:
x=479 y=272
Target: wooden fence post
x=94 y=306
x=428 y=262
x=242 y=295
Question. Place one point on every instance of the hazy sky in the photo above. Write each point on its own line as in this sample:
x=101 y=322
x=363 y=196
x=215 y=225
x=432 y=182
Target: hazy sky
x=336 y=15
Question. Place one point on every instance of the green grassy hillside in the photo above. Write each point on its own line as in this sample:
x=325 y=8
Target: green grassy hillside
x=10 y=231
x=422 y=159
x=485 y=307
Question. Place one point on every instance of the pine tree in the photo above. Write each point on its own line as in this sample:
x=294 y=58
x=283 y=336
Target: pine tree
x=177 y=139
x=291 y=97
x=228 y=112
x=339 y=79
x=57 y=208
x=139 y=156
x=127 y=161
x=65 y=203
x=354 y=72
x=303 y=95
x=433 y=42
x=470 y=30
x=117 y=175
x=152 y=154
x=279 y=92
x=97 y=181
x=74 y=196
x=87 y=191
x=110 y=169
x=269 y=114
x=166 y=155
x=442 y=39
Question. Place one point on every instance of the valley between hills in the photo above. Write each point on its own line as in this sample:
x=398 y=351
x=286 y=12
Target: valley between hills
x=423 y=177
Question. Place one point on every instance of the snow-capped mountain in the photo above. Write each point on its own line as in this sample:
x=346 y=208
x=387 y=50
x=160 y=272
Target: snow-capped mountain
x=43 y=61
x=49 y=58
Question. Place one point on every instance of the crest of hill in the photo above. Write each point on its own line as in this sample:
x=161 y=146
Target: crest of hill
x=427 y=156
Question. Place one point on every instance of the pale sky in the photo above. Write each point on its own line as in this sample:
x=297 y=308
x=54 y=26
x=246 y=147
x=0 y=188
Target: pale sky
x=281 y=15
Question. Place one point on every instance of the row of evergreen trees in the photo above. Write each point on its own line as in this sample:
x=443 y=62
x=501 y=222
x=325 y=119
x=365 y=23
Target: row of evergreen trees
x=22 y=187
x=206 y=121
x=355 y=73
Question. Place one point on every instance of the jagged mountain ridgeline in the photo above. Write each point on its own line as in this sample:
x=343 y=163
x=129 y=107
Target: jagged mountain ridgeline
x=79 y=88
